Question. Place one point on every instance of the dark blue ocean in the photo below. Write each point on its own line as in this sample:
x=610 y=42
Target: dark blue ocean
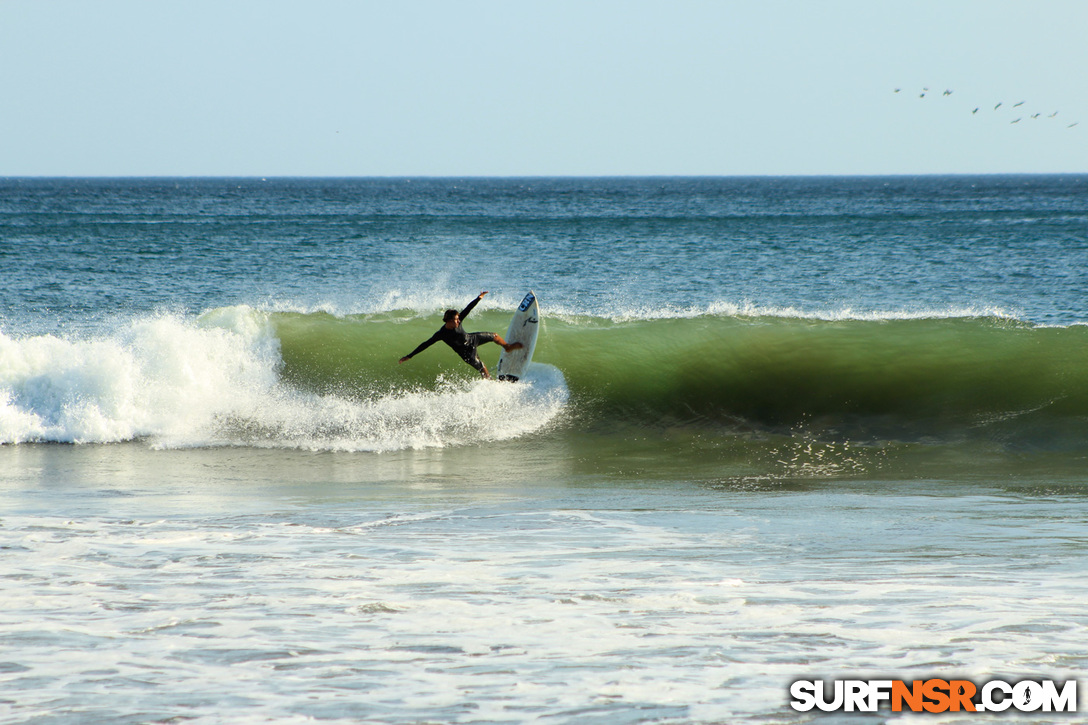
x=829 y=247
x=775 y=429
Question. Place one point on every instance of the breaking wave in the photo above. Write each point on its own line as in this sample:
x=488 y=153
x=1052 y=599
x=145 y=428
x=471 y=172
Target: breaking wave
x=317 y=380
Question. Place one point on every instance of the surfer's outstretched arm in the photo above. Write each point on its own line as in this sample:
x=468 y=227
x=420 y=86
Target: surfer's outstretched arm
x=470 y=305
x=422 y=346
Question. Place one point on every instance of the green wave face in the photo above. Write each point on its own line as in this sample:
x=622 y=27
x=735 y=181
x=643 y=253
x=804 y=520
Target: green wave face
x=953 y=374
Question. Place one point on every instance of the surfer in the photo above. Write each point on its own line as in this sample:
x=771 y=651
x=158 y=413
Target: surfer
x=463 y=343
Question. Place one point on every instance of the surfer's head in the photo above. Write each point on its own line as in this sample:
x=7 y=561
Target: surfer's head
x=451 y=316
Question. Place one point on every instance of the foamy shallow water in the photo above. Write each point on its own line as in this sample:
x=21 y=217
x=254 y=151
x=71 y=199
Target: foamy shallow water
x=323 y=587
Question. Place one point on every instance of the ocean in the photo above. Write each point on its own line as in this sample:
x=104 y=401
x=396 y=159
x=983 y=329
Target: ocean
x=776 y=429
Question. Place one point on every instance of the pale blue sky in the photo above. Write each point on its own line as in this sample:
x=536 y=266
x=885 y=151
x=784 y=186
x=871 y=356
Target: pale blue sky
x=555 y=87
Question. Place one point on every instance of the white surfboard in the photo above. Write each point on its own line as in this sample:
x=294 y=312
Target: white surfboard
x=523 y=328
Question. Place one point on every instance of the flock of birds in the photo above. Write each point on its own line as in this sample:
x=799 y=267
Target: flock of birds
x=1018 y=119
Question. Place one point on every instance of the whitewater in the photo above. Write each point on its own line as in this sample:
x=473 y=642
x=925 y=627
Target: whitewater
x=216 y=381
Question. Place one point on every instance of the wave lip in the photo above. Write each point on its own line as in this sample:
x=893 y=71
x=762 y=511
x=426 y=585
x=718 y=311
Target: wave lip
x=748 y=310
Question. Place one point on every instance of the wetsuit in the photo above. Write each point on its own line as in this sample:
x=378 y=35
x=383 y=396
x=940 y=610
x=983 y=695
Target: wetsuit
x=463 y=343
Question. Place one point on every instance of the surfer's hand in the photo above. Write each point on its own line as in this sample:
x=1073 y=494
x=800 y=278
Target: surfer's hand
x=482 y=295
x=404 y=359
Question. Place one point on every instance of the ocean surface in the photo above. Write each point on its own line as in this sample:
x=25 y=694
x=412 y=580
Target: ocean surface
x=775 y=429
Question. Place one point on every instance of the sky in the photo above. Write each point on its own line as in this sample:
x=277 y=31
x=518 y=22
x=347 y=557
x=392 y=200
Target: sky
x=541 y=87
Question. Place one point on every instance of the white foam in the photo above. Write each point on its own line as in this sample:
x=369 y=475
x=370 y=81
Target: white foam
x=749 y=309
x=456 y=413
x=151 y=377
x=428 y=302
x=185 y=383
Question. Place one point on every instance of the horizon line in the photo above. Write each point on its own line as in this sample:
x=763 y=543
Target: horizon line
x=267 y=177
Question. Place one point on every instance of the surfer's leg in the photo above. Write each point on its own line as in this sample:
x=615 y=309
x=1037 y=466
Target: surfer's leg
x=481 y=337
x=473 y=359
x=509 y=348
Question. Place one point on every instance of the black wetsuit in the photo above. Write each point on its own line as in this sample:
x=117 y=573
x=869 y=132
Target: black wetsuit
x=463 y=343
